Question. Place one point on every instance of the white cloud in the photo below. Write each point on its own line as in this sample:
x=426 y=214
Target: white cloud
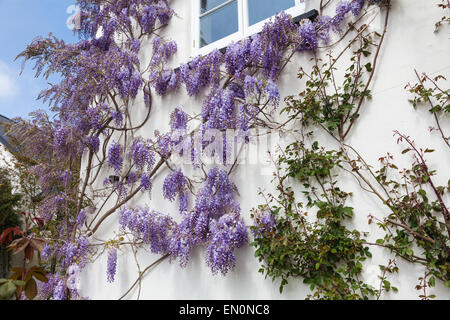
x=8 y=82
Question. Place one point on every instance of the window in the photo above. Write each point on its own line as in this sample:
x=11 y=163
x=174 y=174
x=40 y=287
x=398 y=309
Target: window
x=217 y=23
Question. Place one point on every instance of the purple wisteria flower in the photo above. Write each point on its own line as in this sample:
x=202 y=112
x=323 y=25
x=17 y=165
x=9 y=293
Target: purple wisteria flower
x=273 y=93
x=164 y=143
x=59 y=291
x=146 y=182
x=322 y=25
x=141 y=154
x=226 y=234
x=264 y=224
x=178 y=119
x=175 y=185
x=162 y=79
x=213 y=201
x=342 y=9
x=81 y=218
x=201 y=71
x=111 y=264
x=46 y=252
x=60 y=137
x=115 y=159
x=152 y=227
x=93 y=142
x=117 y=117
x=356 y=7
x=308 y=35
x=69 y=252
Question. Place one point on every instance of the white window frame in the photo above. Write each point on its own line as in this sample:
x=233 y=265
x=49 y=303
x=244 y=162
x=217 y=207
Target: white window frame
x=244 y=30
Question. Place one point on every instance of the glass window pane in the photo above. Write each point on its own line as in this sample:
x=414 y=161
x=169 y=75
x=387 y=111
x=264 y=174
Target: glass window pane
x=259 y=10
x=206 y=5
x=219 y=24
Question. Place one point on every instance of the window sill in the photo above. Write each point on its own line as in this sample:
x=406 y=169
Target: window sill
x=223 y=43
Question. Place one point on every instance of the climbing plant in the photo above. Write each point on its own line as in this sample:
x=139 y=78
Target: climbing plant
x=94 y=157
x=291 y=244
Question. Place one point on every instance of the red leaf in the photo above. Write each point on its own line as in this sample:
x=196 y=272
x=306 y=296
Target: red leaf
x=38 y=244
x=6 y=236
x=29 y=252
x=21 y=245
x=40 y=222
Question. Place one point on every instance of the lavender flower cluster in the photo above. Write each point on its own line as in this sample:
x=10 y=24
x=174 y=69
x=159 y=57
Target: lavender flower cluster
x=112 y=264
x=264 y=223
x=226 y=234
x=213 y=221
x=214 y=203
x=141 y=154
x=161 y=78
x=175 y=185
x=54 y=289
x=152 y=227
x=112 y=16
x=57 y=286
x=115 y=157
x=68 y=252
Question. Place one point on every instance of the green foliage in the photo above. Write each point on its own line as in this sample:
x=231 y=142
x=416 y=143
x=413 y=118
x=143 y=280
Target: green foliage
x=29 y=277
x=8 y=288
x=9 y=200
x=321 y=250
x=325 y=253
x=437 y=99
x=9 y=216
x=323 y=102
x=419 y=219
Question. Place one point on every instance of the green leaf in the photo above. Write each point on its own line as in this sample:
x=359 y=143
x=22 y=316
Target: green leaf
x=19 y=282
x=387 y=285
x=432 y=282
x=7 y=290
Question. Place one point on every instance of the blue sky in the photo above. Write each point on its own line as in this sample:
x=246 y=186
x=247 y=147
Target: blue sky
x=20 y=22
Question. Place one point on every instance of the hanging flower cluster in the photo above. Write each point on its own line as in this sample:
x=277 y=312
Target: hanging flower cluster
x=152 y=227
x=68 y=252
x=175 y=185
x=112 y=264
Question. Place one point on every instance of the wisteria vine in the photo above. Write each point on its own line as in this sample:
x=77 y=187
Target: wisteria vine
x=90 y=160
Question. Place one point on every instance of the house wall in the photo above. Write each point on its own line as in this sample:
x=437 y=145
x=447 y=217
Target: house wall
x=410 y=44
x=5 y=157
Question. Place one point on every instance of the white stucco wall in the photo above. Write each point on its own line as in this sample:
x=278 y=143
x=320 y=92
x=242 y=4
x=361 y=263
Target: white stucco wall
x=410 y=44
x=5 y=157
